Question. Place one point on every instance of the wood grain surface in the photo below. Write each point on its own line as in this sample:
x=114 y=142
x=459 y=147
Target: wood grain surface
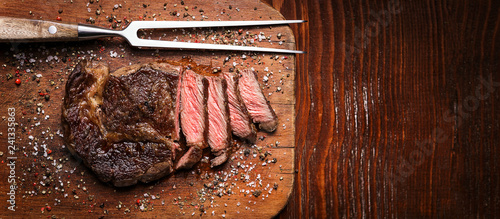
x=256 y=182
x=397 y=109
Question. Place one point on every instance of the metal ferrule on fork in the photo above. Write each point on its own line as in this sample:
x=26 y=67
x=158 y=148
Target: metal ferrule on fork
x=87 y=32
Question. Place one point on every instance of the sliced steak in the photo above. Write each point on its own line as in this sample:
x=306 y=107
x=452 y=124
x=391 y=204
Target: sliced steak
x=193 y=115
x=255 y=102
x=219 y=130
x=126 y=126
x=190 y=158
x=241 y=125
x=122 y=125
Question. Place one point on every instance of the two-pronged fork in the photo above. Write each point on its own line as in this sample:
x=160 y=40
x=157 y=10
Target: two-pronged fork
x=25 y=30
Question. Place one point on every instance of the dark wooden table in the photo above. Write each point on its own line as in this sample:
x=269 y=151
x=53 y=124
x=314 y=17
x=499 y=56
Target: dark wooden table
x=397 y=109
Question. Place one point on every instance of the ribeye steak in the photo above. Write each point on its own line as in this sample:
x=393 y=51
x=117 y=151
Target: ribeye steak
x=127 y=126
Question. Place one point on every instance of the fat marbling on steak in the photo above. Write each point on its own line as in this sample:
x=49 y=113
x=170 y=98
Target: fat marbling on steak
x=122 y=125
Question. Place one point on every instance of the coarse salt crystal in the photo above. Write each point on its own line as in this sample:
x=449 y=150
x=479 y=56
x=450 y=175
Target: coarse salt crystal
x=113 y=54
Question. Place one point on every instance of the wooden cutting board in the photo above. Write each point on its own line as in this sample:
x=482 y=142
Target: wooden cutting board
x=256 y=182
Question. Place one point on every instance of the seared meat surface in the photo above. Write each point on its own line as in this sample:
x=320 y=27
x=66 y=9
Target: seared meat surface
x=122 y=125
x=141 y=104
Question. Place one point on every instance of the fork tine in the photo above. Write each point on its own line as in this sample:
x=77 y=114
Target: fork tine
x=191 y=24
x=184 y=45
x=130 y=33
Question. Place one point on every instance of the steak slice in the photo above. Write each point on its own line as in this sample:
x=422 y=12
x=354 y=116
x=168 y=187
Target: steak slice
x=190 y=158
x=241 y=125
x=255 y=102
x=193 y=115
x=123 y=125
x=219 y=130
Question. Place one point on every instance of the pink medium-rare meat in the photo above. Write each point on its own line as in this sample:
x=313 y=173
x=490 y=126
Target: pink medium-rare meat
x=255 y=102
x=241 y=125
x=193 y=108
x=193 y=116
x=219 y=130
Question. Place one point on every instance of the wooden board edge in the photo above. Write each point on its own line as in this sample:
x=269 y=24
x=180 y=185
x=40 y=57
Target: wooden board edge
x=294 y=102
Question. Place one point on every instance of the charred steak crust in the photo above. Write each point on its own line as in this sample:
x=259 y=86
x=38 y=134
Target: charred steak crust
x=112 y=122
x=140 y=105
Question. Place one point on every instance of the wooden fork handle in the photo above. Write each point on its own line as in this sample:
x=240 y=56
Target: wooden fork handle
x=26 y=30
